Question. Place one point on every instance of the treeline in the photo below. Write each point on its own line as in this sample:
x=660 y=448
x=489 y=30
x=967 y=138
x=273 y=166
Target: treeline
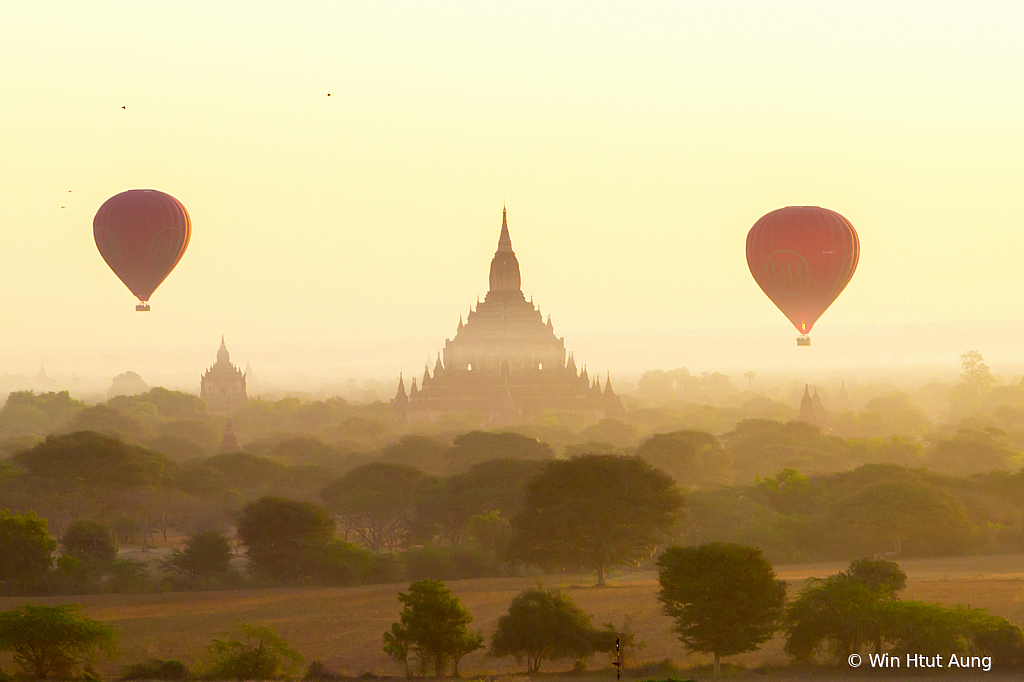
x=878 y=509
x=498 y=518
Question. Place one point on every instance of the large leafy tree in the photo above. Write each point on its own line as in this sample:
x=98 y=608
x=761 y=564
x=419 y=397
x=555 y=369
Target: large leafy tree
x=434 y=624
x=49 y=640
x=96 y=461
x=842 y=613
x=375 y=501
x=595 y=512
x=25 y=413
x=724 y=597
x=480 y=446
x=901 y=515
x=694 y=458
x=26 y=547
x=285 y=538
x=543 y=625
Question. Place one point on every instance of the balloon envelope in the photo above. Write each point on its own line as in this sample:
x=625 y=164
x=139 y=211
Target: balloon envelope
x=142 y=234
x=802 y=257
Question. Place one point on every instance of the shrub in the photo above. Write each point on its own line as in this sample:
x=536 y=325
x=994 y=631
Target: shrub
x=449 y=563
x=318 y=671
x=90 y=542
x=205 y=555
x=342 y=564
x=253 y=652
x=156 y=669
x=385 y=569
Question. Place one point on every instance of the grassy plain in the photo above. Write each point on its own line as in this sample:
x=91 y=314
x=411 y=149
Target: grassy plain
x=343 y=626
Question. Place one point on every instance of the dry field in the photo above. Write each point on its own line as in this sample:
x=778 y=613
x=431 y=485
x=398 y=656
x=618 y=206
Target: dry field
x=343 y=626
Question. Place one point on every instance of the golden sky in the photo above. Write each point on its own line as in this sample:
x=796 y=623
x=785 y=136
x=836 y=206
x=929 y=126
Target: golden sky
x=633 y=146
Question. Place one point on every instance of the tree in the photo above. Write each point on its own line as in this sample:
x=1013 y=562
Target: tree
x=882 y=577
x=206 y=555
x=434 y=624
x=53 y=639
x=900 y=515
x=975 y=372
x=90 y=459
x=976 y=382
x=375 y=502
x=420 y=452
x=724 y=597
x=108 y=421
x=252 y=652
x=837 y=613
x=396 y=645
x=842 y=611
x=342 y=563
x=25 y=413
x=693 y=458
x=480 y=446
x=595 y=511
x=749 y=376
x=543 y=625
x=26 y=547
x=90 y=542
x=284 y=537
x=971 y=451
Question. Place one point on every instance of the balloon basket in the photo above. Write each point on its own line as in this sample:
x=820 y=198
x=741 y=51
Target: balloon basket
x=803 y=341
x=144 y=307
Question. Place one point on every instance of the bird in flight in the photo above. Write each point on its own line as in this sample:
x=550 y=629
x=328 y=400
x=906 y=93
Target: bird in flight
x=122 y=107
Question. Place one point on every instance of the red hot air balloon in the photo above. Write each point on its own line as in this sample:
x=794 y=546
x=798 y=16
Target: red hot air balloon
x=142 y=234
x=802 y=257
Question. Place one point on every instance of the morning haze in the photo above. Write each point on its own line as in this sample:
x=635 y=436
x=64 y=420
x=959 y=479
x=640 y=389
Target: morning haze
x=465 y=326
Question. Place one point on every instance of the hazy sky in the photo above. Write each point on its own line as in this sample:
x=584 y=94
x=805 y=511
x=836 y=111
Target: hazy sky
x=634 y=147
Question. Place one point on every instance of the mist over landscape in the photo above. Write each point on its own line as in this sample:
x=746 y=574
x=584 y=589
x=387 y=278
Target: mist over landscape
x=514 y=342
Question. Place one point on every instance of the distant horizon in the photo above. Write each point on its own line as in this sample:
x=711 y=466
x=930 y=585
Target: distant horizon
x=905 y=354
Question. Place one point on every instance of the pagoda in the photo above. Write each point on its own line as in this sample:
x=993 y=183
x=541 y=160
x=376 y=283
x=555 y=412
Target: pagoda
x=223 y=385
x=505 y=363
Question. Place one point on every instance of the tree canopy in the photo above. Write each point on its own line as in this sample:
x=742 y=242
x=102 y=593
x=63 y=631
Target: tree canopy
x=479 y=446
x=26 y=547
x=375 y=502
x=543 y=625
x=595 y=511
x=49 y=640
x=284 y=537
x=96 y=460
x=724 y=597
x=434 y=624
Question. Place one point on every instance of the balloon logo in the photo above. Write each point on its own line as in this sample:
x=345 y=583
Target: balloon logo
x=802 y=257
x=142 y=234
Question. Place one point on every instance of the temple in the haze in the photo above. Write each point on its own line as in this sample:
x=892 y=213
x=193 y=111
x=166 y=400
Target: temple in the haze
x=505 y=363
x=223 y=385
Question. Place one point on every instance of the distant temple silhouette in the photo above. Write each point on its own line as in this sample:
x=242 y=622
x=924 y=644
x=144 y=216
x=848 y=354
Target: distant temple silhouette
x=505 y=362
x=223 y=385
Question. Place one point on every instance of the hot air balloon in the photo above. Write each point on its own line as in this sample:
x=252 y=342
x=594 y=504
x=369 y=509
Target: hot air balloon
x=802 y=257
x=142 y=234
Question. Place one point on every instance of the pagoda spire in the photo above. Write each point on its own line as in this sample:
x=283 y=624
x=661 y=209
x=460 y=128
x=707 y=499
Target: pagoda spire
x=222 y=353
x=504 y=241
